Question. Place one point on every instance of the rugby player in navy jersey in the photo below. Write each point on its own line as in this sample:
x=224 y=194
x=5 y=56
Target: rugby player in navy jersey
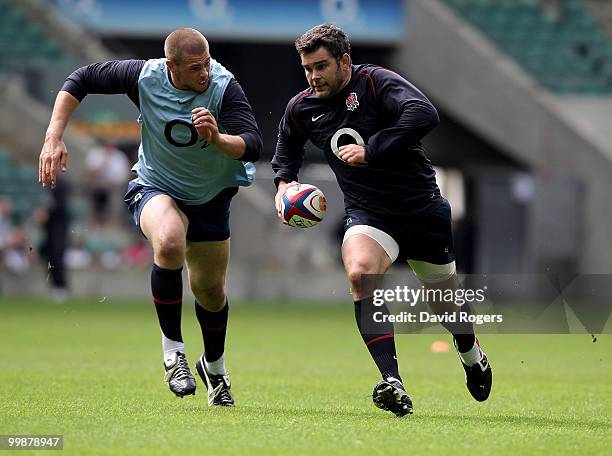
x=393 y=207
x=199 y=137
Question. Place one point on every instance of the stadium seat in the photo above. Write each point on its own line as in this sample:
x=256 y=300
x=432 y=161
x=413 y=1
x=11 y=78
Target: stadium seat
x=567 y=54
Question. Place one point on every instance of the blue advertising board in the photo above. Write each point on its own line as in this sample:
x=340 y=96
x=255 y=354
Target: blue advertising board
x=380 y=21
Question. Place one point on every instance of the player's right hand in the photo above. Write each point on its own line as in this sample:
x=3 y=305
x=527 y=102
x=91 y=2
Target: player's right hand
x=53 y=157
x=205 y=124
x=282 y=188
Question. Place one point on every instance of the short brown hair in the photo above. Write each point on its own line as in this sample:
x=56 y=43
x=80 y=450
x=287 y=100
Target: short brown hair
x=329 y=36
x=182 y=42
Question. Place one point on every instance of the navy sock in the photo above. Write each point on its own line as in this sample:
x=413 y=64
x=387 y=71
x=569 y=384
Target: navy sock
x=465 y=342
x=167 y=288
x=463 y=333
x=214 y=327
x=378 y=337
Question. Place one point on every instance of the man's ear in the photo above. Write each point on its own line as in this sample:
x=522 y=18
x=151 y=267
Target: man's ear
x=345 y=61
x=170 y=64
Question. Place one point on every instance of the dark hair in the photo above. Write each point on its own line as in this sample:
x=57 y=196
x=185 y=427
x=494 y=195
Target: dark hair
x=328 y=36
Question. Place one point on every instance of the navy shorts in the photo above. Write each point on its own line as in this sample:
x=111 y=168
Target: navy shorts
x=207 y=222
x=424 y=237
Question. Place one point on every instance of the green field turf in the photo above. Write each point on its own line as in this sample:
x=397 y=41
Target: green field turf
x=302 y=379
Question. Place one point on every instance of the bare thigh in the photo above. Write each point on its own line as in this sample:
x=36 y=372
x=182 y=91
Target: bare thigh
x=165 y=226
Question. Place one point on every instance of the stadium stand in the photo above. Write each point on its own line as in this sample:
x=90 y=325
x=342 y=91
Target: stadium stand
x=554 y=135
x=24 y=44
x=36 y=45
x=560 y=43
x=560 y=141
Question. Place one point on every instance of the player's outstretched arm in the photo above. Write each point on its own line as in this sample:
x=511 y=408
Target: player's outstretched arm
x=54 y=155
x=112 y=77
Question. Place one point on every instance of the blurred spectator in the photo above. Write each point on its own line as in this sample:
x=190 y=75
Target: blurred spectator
x=5 y=221
x=108 y=169
x=13 y=240
x=54 y=218
x=138 y=253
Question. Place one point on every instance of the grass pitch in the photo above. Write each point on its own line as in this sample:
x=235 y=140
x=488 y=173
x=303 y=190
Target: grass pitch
x=302 y=378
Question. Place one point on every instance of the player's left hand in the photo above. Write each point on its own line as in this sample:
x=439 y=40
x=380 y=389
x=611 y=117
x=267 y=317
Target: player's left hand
x=205 y=124
x=353 y=154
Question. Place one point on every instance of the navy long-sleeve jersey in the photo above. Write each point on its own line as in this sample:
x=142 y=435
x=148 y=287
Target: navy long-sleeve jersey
x=381 y=110
x=121 y=77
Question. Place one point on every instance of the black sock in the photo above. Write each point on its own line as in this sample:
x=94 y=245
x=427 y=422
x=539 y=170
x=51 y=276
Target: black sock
x=214 y=326
x=378 y=337
x=465 y=342
x=463 y=333
x=167 y=288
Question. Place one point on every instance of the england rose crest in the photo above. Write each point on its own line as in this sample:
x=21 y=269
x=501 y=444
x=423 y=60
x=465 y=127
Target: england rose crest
x=351 y=101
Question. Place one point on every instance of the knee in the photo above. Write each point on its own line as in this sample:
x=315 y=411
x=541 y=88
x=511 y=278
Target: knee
x=169 y=247
x=211 y=297
x=355 y=272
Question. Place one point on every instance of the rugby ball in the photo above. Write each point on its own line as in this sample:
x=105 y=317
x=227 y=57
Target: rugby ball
x=303 y=206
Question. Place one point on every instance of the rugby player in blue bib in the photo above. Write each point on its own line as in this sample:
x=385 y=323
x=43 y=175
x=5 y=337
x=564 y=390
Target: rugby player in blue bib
x=199 y=137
